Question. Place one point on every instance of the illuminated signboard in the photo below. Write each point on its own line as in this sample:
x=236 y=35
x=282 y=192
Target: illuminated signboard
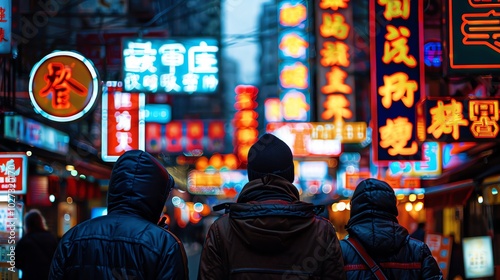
x=428 y=167
x=188 y=137
x=352 y=132
x=159 y=113
x=293 y=65
x=224 y=183
x=245 y=121
x=473 y=36
x=170 y=65
x=13 y=173
x=460 y=120
x=122 y=121
x=5 y=26
x=478 y=257
x=63 y=86
x=33 y=133
x=397 y=78
x=334 y=41
x=308 y=139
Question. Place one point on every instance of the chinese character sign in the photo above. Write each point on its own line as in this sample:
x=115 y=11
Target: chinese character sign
x=63 y=86
x=293 y=65
x=170 y=65
x=245 y=121
x=334 y=35
x=122 y=121
x=460 y=120
x=474 y=43
x=397 y=77
x=5 y=26
x=13 y=173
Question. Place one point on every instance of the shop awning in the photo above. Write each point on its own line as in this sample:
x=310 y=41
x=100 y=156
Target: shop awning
x=449 y=195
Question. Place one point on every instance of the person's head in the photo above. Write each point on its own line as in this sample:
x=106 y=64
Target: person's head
x=375 y=197
x=139 y=184
x=34 y=221
x=270 y=155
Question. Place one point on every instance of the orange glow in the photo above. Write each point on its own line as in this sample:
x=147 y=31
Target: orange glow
x=195 y=129
x=336 y=82
x=216 y=161
x=294 y=105
x=333 y=4
x=293 y=45
x=480 y=28
x=245 y=100
x=334 y=25
x=216 y=130
x=246 y=135
x=292 y=15
x=335 y=53
x=246 y=118
x=59 y=83
x=397 y=87
x=396 y=134
x=484 y=117
x=294 y=76
x=337 y=107
x=201 y=163
x=174 y=130
x=273 y=110
x=396 y=47
x=395 y=8
x=446 y=119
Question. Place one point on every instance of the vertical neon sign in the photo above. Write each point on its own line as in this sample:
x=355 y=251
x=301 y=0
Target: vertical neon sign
x=397 y=77
x=293 y=26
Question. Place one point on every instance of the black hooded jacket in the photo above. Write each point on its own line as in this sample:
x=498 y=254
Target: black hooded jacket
x=270 y=234
x=127 y=243
x=374 y=224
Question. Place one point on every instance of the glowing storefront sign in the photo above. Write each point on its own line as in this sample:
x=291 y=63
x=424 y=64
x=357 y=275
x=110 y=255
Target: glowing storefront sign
x=171 y=65
x=351 y=132
x=63 y=86
x=5 y=26
x=223 y=183
x=188 y=137
x=304 y=139
x=31 y=132
x=13 y=173
x=334 y=38
x=464 y=120
x=429 y=166
x=397 y=78
x=473 y=36
x=293 y=65
x=122 y=121
x=245 y=120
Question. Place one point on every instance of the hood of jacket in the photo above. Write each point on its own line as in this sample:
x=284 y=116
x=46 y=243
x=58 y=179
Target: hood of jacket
x=268 y=214
x=139 y=185
x=374 y=218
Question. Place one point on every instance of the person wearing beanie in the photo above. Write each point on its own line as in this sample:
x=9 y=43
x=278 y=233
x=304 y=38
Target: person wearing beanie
x=127 y=243
x=269 y=233
x=374 y=225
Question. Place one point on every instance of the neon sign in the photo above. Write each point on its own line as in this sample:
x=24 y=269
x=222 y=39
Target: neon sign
x=398 y=78
x=293 y=66
x=63 y=86
x=334 y=33
x=5 y=26
x=473 y=36
x=170 y=66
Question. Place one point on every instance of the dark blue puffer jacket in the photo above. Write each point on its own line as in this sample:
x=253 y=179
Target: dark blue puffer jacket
x=374 y=224
x=126 y=243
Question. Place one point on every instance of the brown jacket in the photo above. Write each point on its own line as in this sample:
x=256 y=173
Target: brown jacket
x=270 y=234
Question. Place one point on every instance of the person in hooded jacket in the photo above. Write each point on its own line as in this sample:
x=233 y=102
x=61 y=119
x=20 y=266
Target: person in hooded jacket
x=373 y=223
x=126 y=243
x=269 y=233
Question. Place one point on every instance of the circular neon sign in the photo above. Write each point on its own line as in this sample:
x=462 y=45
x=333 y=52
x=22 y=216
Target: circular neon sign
x=63 y=86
